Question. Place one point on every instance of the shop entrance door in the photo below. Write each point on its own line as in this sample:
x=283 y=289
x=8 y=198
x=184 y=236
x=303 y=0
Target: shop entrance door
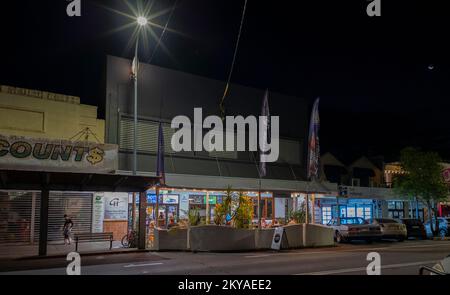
x=167 y=212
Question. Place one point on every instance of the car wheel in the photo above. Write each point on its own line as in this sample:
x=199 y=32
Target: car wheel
x=402 y=239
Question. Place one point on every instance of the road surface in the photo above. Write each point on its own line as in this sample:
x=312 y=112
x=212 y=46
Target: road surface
x=348 y=259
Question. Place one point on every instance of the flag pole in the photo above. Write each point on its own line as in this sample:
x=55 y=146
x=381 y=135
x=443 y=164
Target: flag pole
x=157 y=207
x=160 y=171
x=259 y=203
x=262 y=164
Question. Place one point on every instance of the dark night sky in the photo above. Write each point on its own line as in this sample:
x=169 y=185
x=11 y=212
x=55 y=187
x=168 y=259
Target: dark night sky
x=377 y=93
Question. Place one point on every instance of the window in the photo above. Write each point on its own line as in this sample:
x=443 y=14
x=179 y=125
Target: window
x=367 y=212
x=343 y=211
x=356 y=182
x=326 y=215
x=266 y=208
x=395 y=209
x=351 y=212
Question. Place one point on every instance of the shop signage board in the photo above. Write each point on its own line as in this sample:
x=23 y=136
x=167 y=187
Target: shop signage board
x=163 y=199
x=116 y=206
x=170 y=199
x=277 y=238
x=22 y=153
x=98 y=213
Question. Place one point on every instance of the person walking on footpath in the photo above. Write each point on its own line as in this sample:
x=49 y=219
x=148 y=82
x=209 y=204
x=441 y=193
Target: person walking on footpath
x=67 y=229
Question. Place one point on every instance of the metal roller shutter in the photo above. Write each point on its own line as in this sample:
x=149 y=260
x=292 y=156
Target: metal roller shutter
x=147 y=136
x=78 y=206
x=19 y=217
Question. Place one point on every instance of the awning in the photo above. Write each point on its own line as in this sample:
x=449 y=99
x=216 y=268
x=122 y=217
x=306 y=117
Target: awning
x=62 y=181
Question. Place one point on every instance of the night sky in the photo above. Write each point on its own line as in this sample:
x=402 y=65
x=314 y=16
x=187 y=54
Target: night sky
x=378 y=91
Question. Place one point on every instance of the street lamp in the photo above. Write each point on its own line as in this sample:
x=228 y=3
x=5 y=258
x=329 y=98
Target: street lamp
x=141 y=21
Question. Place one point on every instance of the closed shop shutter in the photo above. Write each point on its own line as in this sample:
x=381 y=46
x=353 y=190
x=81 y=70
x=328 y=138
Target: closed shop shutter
x=19 y=217
x=147 y=136
x=78 y=206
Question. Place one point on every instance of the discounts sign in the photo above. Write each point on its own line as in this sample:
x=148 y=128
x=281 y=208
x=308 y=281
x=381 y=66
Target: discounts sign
x=20 y=153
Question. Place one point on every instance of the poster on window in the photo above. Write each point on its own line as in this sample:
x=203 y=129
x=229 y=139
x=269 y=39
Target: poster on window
x=98 y=213
x=170 y=199
x=116 y=206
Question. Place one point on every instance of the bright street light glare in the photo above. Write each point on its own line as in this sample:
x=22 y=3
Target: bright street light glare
x=142 y=21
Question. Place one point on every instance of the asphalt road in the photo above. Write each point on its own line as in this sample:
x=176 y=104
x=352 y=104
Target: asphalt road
x=348 y=259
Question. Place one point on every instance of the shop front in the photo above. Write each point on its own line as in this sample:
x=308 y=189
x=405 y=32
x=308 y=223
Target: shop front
x=43 y=181
x=168 y=208
x=323 y=207
x=178 y=204
x=267 y=206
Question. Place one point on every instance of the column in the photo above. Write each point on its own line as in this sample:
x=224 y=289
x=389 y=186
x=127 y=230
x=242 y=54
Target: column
x=208 y=211
x=142 y=220
x=43 y=226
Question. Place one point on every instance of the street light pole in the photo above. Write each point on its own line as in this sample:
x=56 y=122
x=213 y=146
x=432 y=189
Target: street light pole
x=135 y=106
x=142 y=22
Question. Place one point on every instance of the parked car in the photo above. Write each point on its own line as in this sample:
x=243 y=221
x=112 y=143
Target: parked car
x=444 y=227
x=354 y=228
x=414 y=228
x=390 y=228
x=441 y=268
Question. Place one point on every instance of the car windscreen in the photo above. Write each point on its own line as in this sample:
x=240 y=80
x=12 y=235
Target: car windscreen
x=385 y=220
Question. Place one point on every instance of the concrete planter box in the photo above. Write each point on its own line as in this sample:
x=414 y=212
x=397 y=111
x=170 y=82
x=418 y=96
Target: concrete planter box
x=297 y=236
x=263 y=238
x=173 y=239
x=293 y=236
x=221 y=238
x=318 y=236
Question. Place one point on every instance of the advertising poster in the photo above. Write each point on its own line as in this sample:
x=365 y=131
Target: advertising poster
x=116 y=206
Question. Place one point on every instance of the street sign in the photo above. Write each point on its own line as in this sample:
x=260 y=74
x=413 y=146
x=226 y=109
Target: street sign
x=277 y=238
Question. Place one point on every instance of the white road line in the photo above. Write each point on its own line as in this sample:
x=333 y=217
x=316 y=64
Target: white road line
x=258 y=256
x=348 y=250
x=358 y=269
x=142 y=265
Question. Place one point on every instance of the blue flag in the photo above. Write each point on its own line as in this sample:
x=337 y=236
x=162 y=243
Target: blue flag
x=313 y=143
x=265 y=133
x=160 y=172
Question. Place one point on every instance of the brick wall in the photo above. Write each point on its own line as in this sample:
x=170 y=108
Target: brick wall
x=118 y=227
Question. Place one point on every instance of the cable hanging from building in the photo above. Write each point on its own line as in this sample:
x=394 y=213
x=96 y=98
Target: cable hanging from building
x=222 y=101
x=174 y=6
